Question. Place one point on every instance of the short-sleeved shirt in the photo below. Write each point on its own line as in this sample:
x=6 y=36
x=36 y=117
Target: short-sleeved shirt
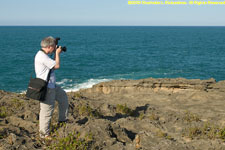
x=43 y=64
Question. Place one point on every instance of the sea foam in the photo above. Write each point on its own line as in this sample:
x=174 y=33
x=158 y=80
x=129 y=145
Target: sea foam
x=73 y=87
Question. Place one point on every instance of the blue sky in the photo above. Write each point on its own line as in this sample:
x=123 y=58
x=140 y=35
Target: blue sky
x=105 y=12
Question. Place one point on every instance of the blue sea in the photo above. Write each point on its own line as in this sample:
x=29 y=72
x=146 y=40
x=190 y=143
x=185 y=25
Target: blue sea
x=102 y=53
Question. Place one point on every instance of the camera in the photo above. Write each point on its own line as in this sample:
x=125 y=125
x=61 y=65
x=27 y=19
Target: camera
x=56 y=42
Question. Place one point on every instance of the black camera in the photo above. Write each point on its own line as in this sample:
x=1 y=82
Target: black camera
x=56 y=42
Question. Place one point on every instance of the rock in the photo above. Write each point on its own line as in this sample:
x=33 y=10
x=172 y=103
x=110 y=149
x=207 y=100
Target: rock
x=163 y=114
x=12 y=138
x=122 y=134
x=155 y=85
x=27 y=126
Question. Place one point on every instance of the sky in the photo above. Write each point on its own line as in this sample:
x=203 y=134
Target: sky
x=107 y=13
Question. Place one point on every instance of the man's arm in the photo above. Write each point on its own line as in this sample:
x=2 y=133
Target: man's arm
x=57 y=58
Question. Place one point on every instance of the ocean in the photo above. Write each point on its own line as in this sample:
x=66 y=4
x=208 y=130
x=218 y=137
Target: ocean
x=103 y=53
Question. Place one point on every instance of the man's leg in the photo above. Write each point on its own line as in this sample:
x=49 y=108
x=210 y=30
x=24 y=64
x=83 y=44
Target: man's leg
x=46 y=111
x=62 y=99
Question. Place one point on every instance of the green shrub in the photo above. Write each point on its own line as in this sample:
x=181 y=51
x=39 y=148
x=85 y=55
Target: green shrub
x=17 y=103
x=141 y=116
x=123 y=109
x=162 y=134
x=210 y=130
x=71 y=142
x=86 y=110
x=190 y=117
x=2 y=134
x=192 y=132
x=3 y=112
x=207 y=130
x=222 y=133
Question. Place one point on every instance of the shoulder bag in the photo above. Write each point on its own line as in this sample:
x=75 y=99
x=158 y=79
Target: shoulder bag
x=37 y=88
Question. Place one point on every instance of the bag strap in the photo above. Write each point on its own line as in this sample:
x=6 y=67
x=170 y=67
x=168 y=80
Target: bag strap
x=49 y=75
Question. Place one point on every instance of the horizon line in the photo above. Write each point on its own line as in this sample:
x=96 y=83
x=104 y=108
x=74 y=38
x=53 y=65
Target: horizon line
x=112 y=25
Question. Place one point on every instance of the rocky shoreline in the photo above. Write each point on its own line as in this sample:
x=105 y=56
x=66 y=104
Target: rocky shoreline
x=157 y=114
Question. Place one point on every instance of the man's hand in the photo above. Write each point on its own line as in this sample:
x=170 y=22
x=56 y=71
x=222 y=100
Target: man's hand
x=59 y=50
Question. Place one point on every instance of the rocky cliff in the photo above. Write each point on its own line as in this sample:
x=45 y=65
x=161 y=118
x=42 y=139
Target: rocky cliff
x=146 y=114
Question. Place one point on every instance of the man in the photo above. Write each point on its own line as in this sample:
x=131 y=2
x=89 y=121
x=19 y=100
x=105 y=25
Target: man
x=43 y=65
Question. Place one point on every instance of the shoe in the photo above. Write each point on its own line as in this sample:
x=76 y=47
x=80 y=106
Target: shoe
x=46 y=137
x=61 y=123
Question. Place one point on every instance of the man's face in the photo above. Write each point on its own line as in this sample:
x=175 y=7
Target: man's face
x=52 y=48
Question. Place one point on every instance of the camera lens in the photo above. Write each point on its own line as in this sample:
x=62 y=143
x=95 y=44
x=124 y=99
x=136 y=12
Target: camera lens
x=64 y=49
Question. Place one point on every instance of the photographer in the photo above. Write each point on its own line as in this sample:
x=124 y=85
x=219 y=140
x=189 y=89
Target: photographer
x=43 y=65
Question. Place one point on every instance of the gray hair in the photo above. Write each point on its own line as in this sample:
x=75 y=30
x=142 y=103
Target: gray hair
x=48 y=41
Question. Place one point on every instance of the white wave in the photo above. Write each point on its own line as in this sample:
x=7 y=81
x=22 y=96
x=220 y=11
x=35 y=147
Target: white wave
x=22 y=92
x=64 y=81
x=88 y=84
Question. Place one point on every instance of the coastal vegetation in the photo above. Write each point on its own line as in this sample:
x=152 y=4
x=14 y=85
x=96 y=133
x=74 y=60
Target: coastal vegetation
x=206 y=130
x=123 y=109
x=70 y=142
x=3 y=112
